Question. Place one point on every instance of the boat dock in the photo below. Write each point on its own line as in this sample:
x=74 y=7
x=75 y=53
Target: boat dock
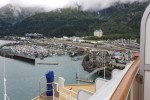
x=47 y=63
x=24 y=58
x=84 y=80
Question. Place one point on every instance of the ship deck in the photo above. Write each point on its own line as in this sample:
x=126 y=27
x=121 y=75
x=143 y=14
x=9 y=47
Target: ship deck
x=75 y=88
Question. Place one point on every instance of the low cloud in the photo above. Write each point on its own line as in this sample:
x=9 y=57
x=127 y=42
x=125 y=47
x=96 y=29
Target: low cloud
x=53 y=4
x=101 y=4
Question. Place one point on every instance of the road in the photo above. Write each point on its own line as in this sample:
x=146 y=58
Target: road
x=93 y=72
x=100 y=47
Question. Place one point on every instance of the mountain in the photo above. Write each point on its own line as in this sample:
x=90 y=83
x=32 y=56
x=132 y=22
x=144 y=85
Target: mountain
x=12 y=14
x=118 y=19
x=58 y=23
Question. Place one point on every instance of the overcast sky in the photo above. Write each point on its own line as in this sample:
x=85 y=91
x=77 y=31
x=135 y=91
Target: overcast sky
x=53 y=4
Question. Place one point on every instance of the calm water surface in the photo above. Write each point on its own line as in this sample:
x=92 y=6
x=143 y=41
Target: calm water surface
x=23 y=78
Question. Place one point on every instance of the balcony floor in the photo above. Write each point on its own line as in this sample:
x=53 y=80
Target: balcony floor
x=75 y=88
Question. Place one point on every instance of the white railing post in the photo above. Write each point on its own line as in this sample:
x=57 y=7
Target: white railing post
x=61 y=81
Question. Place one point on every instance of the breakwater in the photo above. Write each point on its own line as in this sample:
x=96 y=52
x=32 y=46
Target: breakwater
x=7 y=52
x=24 y=58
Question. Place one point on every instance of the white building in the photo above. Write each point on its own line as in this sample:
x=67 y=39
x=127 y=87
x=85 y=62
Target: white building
x=33 y=35
x=98 y=33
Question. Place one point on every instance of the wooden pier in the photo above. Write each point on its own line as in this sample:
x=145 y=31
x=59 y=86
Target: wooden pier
x=47 y=63
x=84 y=80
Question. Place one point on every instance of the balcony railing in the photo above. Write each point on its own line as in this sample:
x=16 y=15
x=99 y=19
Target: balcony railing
x=122 y=86
x=127 y=83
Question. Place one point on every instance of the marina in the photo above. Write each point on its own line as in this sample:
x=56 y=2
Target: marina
x=23 y=78
x=72 y=62
x=29 y=51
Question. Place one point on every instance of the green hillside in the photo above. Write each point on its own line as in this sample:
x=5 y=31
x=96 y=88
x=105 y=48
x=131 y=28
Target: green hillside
x=119 y=19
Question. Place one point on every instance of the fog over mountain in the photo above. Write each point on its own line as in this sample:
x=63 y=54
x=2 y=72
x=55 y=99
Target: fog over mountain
x=102 y=4
x=33 y=16
x=85 y=5
x=12 y=13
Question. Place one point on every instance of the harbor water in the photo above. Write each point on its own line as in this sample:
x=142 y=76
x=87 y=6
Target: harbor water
x=23 y=78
